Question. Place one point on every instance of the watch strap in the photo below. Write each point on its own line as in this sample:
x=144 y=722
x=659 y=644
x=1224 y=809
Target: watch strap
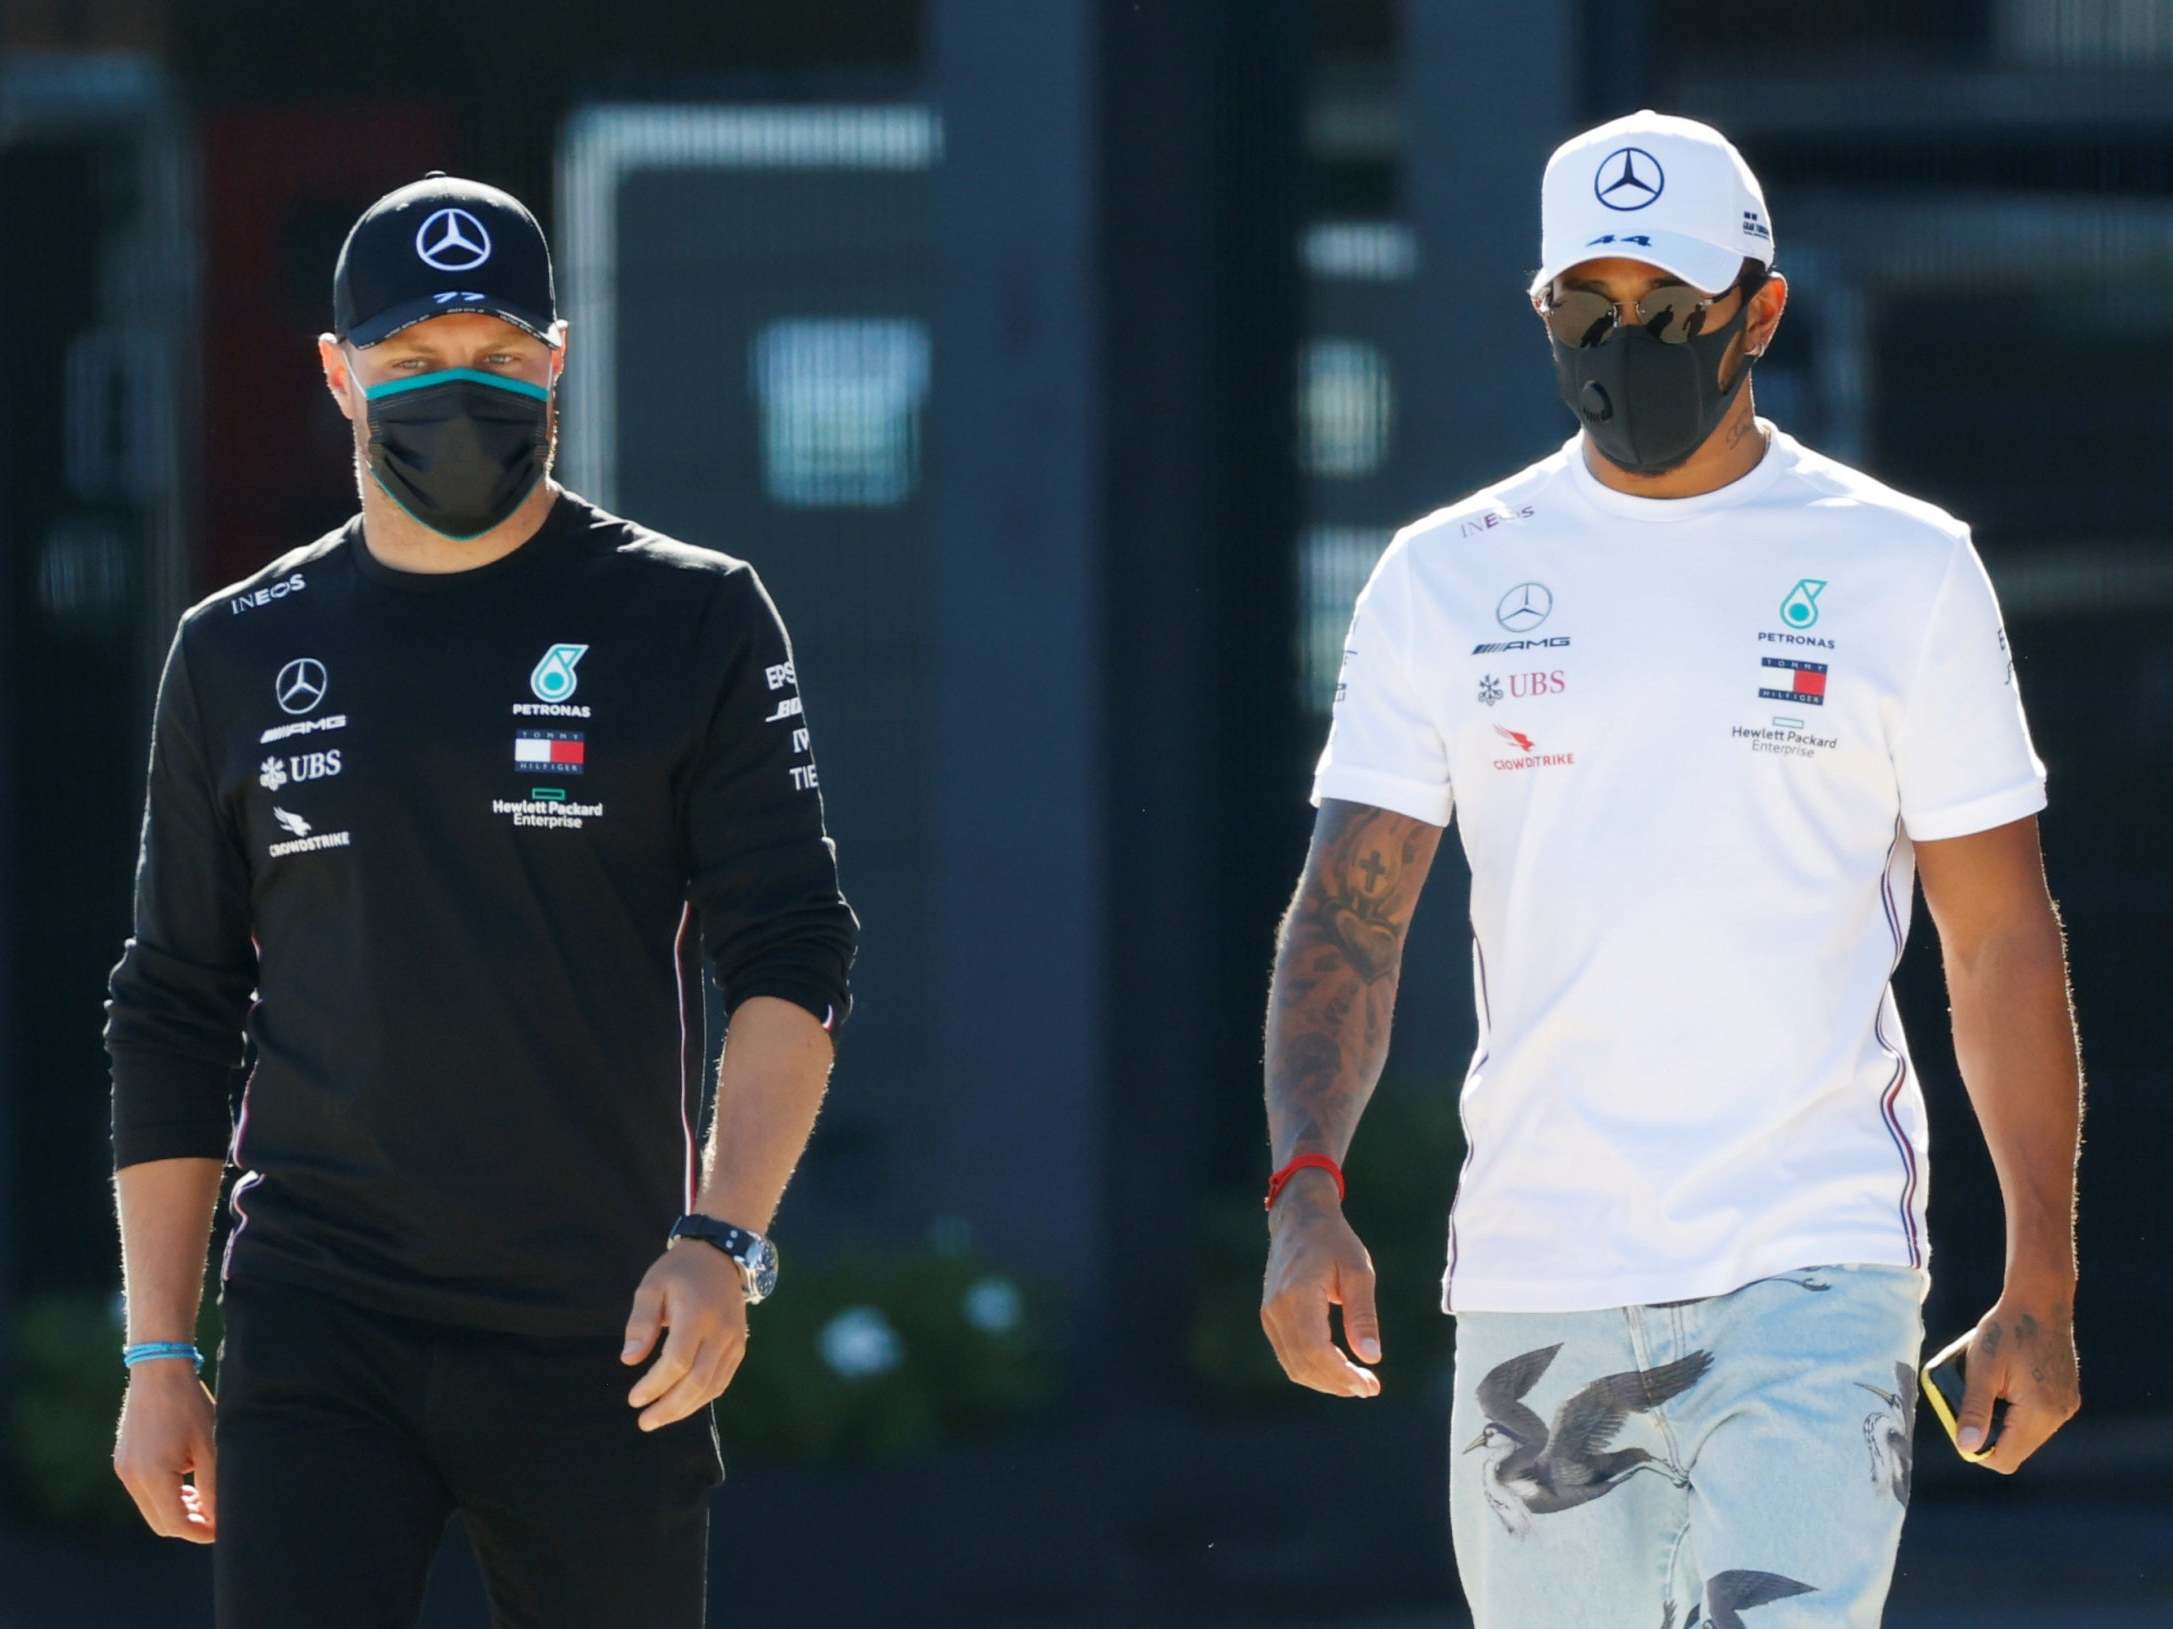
x=736 y=1242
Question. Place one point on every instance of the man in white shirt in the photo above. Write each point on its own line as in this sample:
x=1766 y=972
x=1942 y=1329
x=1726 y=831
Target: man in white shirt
x=1705 y=704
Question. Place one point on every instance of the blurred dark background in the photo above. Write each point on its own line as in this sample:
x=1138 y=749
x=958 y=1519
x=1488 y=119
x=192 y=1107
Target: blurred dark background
x=1064 y=365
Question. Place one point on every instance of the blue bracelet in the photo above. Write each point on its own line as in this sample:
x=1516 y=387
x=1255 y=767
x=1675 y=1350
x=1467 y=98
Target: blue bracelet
x=148 y=1350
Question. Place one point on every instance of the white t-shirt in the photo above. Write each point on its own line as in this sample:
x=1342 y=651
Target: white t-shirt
x=1689 y=742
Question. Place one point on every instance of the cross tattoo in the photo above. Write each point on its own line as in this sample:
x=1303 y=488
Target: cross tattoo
x=1373 y=868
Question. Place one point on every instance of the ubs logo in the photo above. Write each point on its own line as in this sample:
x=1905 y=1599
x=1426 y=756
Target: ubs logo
x=276 y=772
x=1521 y=686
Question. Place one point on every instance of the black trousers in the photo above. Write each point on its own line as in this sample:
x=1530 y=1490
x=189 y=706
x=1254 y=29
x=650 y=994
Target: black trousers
x=347 y=1439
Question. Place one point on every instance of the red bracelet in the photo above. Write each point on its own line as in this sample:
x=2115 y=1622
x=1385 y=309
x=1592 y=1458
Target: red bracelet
x=1281 y=1179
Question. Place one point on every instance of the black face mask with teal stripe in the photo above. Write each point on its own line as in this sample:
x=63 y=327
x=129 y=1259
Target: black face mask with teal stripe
x=458 y=449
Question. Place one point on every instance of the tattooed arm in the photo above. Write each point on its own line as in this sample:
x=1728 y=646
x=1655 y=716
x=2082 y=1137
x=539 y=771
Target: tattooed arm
x=2014 y=1036
x=1337 y=962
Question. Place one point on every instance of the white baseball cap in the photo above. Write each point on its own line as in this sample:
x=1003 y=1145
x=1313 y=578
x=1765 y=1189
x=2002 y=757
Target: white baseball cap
x=1656 y=188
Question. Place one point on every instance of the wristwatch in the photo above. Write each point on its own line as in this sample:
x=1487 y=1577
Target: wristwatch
x=755 y=1256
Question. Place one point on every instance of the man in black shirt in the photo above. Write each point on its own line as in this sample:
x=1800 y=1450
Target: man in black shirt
x=444 y=809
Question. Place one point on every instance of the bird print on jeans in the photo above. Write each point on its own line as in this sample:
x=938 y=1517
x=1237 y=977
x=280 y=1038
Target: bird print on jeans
x=1532 y=1471
x=1728 y=1595
x=1889 y=1431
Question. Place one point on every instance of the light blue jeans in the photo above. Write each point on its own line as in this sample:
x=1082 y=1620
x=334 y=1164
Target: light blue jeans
x=1739 y=1462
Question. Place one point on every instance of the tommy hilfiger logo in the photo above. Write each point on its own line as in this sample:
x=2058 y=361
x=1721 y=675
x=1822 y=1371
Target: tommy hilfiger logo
x=1783 y=678
x=551 y=752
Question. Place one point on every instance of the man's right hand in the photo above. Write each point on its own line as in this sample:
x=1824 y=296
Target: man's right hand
x=165 y=1435
x=1315 y=1260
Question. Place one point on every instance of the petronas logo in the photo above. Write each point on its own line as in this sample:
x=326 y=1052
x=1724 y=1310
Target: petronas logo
x=553 y=678
x=1799 y=610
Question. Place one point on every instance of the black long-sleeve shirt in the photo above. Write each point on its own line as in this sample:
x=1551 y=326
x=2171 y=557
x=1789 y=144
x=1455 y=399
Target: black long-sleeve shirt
x=451 y=848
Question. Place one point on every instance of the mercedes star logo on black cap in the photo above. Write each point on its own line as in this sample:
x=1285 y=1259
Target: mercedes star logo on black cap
x=442 y=245
x=452 y=240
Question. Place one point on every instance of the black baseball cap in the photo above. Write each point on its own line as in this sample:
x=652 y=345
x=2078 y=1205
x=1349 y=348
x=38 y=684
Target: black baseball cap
x=438 y=246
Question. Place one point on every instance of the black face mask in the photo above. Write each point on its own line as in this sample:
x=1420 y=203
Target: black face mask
x=1648 y=405
x=458 y=450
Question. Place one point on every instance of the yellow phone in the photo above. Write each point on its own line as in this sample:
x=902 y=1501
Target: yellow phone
x=1944 y=1385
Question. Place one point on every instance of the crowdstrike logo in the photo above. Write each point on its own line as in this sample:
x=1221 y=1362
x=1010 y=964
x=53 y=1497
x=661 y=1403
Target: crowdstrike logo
x=452 y=240
x=306 y=840
x=1529 y=756
x=1628 y=178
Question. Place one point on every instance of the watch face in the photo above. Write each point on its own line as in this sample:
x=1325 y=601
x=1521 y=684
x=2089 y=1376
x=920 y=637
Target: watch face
x=761 y=1267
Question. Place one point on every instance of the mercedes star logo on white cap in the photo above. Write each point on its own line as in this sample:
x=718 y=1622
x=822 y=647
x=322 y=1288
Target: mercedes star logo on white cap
x=1622 y=184
x=1695 y=209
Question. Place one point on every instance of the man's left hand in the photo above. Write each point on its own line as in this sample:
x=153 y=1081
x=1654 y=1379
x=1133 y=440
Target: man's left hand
x=695 y=1291
x=2023 y=1350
